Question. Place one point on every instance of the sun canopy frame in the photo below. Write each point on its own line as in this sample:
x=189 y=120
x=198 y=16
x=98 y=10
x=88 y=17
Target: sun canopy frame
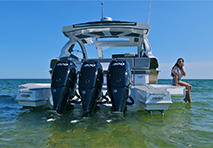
x=106 y=34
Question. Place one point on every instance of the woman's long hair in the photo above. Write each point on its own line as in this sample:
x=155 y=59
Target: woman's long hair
x=176 y=64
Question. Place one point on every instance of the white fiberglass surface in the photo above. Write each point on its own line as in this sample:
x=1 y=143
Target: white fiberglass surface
x=111 y=39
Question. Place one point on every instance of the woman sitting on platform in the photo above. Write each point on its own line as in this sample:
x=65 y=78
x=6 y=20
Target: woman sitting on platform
x=178 y=71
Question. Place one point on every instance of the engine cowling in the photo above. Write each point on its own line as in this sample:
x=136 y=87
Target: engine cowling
x=119 y=84
x=63 y=84
x=90 y=85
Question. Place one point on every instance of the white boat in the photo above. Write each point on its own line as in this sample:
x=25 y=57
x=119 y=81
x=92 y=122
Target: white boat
x=116 y=43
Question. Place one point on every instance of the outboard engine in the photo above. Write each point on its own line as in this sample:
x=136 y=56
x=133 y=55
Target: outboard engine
x=119 y=84
x=63 y=84
x=90 y=85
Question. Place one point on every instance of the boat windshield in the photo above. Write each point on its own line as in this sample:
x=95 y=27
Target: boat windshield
x=109 y=52
x=106 y=52
x=77 y=51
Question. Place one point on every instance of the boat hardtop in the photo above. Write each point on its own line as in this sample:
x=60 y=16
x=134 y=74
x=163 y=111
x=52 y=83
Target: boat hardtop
x=94 y=32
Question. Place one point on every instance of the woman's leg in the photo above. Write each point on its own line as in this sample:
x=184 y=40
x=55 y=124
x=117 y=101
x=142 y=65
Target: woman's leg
x=188 y=87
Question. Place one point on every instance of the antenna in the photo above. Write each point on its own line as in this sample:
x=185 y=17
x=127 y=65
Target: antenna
x=102 y=13
x=149 y=11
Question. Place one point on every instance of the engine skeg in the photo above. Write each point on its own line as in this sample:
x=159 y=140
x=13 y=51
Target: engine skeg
x=119 y=98
x=89 y=100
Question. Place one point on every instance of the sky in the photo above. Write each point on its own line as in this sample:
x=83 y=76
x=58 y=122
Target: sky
x=31 y=32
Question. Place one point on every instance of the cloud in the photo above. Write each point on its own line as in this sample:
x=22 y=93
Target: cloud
x=194 y=70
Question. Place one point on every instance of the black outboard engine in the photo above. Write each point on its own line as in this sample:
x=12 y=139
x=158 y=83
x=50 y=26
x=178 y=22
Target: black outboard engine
x=119 y=84
x=63 y=84
x=90 y=85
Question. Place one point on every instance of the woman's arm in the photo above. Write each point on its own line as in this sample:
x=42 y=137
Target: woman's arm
x=183 y=71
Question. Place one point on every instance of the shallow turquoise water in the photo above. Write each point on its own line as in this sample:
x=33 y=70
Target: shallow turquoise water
x=184 y=125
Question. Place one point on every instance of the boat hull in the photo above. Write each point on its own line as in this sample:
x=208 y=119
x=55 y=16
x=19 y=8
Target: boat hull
x=34 y=95
x=150 y=98
x=147 y=97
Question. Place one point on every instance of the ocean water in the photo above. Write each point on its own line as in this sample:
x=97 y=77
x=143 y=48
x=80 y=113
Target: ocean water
x=184 y=125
